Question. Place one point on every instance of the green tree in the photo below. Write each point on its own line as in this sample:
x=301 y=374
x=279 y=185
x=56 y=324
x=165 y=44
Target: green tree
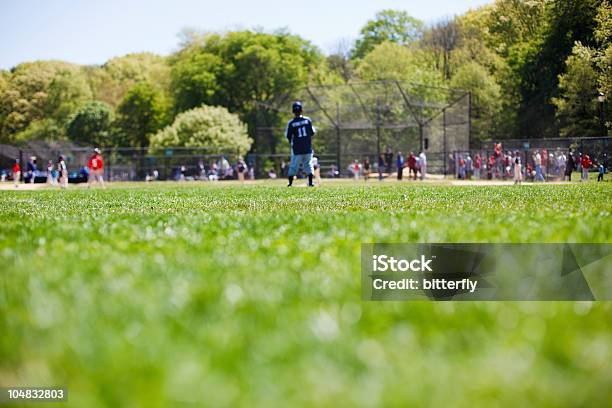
x=442 y=39
x=577 y=108
x=205 y=126
x=543 y=61
x=40 y=129
x=393 y=61
x=66 y=93
x=603 y=31
x=194 y=78
x=604 y=62
x=42 y=95
x=91 y=124
x=388 y=25
x=141 y=113
x=478 y=44
x=509 y=23
x=339 y=61
x=5 y=108
x=111 y=82
x=486 y=98
x=243 y=71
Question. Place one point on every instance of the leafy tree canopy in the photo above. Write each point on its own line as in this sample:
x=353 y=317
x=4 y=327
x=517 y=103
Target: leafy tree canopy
x=141 y=113
x=395 y=26
x=91 y=124
x=393 y=61
x=210 y=126
x=486 y=98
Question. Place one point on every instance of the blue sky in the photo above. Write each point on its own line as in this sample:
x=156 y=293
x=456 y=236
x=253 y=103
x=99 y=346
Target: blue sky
x=91 y=32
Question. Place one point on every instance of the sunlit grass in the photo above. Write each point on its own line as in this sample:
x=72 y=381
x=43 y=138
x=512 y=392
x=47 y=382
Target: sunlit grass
x=249 y=295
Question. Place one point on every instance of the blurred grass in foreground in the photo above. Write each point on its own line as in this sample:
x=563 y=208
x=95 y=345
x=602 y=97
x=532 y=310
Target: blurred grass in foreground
x=220 y=296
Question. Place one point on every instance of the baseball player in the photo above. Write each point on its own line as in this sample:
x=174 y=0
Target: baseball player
x=96 y=168
x=299 y=133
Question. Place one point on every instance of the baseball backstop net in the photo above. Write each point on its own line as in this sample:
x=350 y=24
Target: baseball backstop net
x=359 y=120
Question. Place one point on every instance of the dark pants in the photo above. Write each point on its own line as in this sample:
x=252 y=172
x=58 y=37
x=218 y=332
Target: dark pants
x=399 y=172
x=413 y=170
x=600 y=177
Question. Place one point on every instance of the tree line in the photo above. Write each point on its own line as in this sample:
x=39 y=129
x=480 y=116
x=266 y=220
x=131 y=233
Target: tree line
x=535 y=69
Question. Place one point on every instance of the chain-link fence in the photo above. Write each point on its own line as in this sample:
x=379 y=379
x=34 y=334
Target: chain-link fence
x=367 y=120
x=37 y=159
x=543 y=159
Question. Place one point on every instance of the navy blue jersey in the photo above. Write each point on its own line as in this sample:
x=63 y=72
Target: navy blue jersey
x=299 y=133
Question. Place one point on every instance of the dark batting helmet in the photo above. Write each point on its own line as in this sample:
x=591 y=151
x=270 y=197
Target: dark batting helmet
x=296 y=107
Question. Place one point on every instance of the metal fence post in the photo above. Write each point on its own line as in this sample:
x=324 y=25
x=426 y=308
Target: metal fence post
x=421 y=137
x=21 y=175
x=444 y=140
x=377 y=128
x=338 y=138
x=469 y=119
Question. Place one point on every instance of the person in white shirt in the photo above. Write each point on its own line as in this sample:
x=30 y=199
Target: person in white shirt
x=538 y=166
x=518 y=173
x=561 y=161
x=423 y=163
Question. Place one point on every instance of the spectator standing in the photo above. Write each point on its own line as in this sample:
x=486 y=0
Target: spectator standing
x=461 y=168
x=451 y=165
x=50 y=171
x=16 y=173
x=600 y=174
x=423 y=163
x=518 y=173
x=355 y=167
x=586 y=165
x=366 y=169
x=381 y=166
x=537 y=159
x=32 y=169
x=251 y=171
x=490 y=167
x=468 y=166
x=529 y=172
x=477 y=165
x=62 y=172
x=224 y=167
x=412 y=166
x=562 y=163
x=569 y=165
x=498 y=157
x=400 y=165
x=388 y=160
x=201 y=170
x=316 y=171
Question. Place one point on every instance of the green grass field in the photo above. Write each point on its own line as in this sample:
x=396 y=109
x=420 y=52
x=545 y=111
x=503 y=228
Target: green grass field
x=185 y=295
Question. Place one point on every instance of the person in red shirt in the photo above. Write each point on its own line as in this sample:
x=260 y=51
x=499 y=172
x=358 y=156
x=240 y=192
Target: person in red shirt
x=477 y=166
x=412 y=168
x=96 y=168
x=586 y=165
x=490 y=167
x=16 y=173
